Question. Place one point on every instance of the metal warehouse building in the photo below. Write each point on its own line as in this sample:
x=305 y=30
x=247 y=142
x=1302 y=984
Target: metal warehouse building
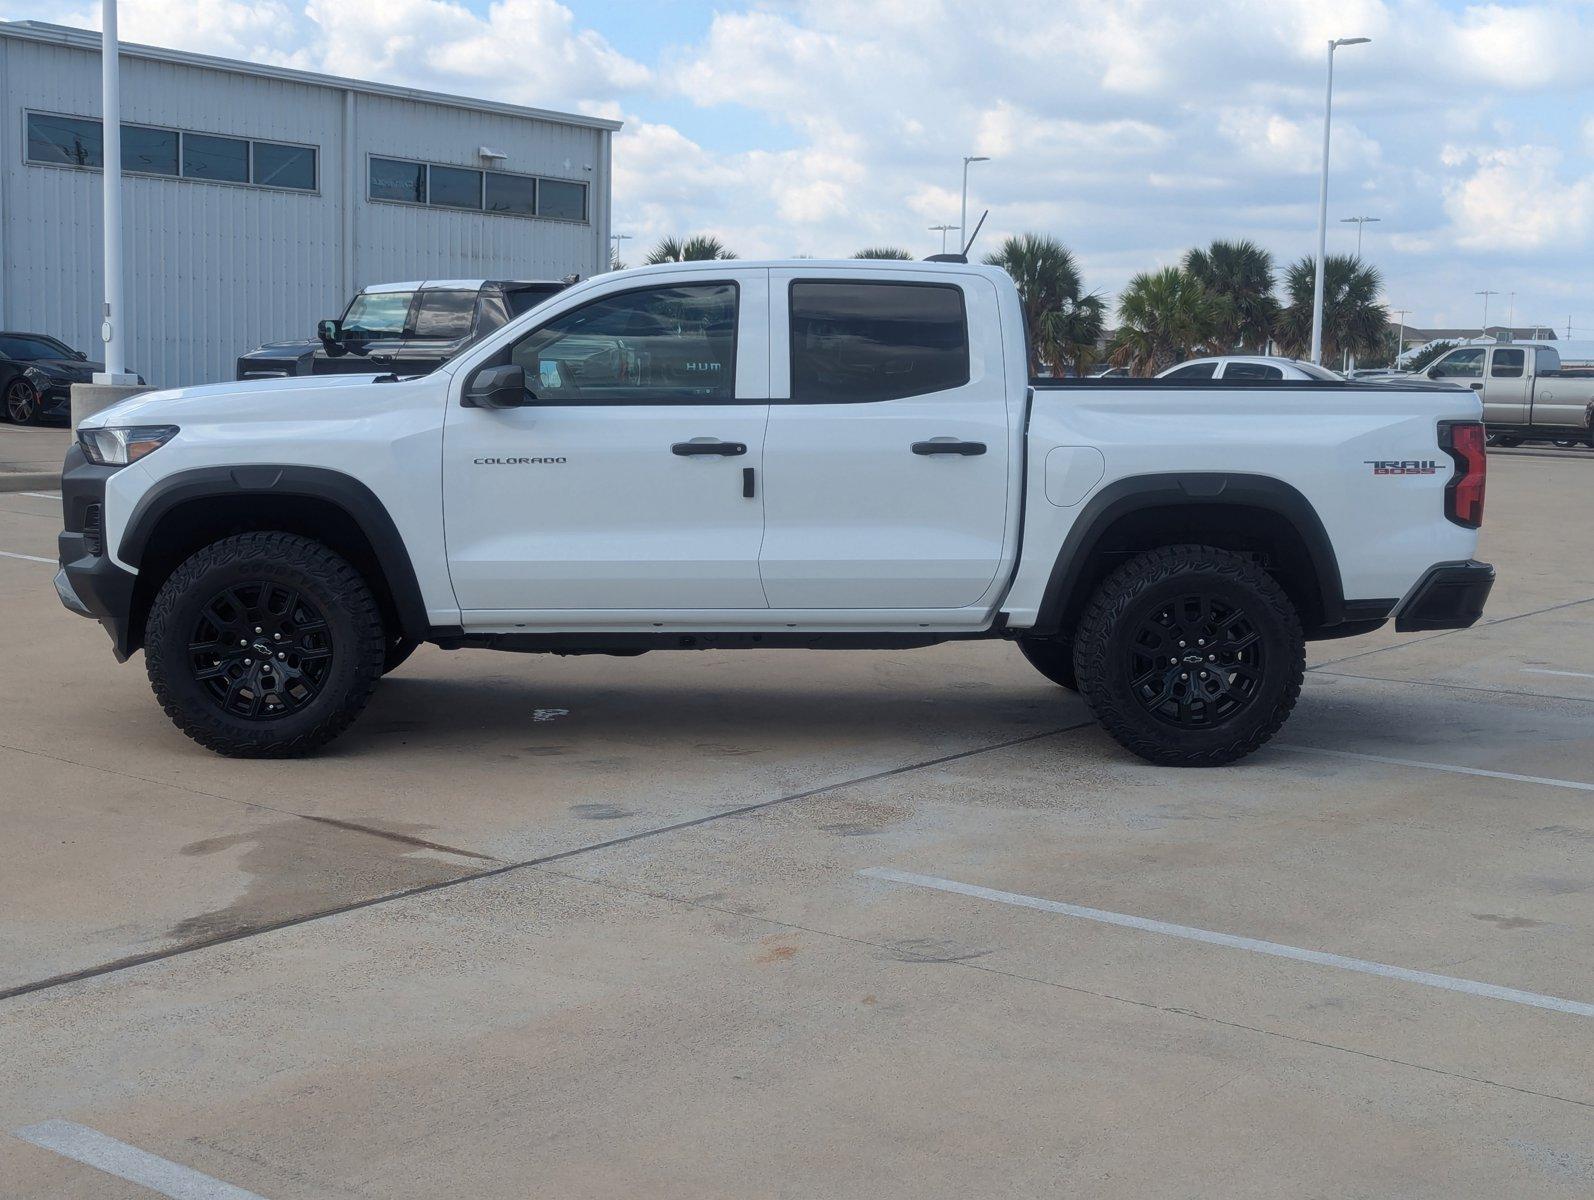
x=257 y=200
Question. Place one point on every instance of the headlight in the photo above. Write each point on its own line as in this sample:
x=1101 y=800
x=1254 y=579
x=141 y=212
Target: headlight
x=118 y=447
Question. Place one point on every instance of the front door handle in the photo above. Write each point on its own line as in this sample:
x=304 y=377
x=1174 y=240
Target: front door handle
x=1477 y=387
x=966 y=449
x=688 y=449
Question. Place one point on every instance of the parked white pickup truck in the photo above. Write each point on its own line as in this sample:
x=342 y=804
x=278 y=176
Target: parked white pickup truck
x=789 y=454
x=1526 y=393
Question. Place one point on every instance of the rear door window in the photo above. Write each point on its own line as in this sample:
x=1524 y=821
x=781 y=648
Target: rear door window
x=1251 y=371
x=1507 y=364
x=445 y=314
x=856 y=342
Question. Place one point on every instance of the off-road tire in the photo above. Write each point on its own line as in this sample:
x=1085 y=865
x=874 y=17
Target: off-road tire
x=1053 y=658
x=352 y=628
x=1136 y=594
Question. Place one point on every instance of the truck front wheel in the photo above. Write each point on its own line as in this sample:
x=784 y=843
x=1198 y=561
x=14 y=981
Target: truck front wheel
x=264 y=645
x=1190 y=656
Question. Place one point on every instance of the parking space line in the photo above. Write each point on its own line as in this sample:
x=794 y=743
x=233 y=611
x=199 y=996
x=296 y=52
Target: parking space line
x=1568 y=674
x=104 y=1153
x=1235 y=942
x=1572 y=784
x=26 y=557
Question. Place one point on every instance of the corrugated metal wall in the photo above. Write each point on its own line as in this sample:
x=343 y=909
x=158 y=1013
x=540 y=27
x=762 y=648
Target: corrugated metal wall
x=214 y=269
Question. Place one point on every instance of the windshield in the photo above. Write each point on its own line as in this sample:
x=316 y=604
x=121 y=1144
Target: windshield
x=32 y=348
x=378 y=312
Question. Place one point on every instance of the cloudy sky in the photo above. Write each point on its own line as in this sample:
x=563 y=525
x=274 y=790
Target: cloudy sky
x=1130 y=129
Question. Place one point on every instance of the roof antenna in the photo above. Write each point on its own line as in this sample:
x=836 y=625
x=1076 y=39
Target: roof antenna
x=964 y=256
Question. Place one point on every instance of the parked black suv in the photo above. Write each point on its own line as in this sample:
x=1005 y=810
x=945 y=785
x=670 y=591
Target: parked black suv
x=37 y=372
x=408 y=328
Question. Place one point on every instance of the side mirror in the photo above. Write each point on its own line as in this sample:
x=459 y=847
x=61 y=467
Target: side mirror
x=80 y=356
x=497 y=387
x=330 y=330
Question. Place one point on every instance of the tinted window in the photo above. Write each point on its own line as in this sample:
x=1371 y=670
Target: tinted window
x=284 y=166
x=445 y=314
x=1251 y=371
x=152 y=151
x=557 y=198
x=219 y=158
x=1507 y=364
x=1460 y=364
x=651 y=346
x=453 y=187
x=876 y=341
x=377 y=312
x=511 y=194
x=394 y=180
x=525 y=299
x=1193 y=371
x=1546 y=362
x=30 y=349
x=68 y=140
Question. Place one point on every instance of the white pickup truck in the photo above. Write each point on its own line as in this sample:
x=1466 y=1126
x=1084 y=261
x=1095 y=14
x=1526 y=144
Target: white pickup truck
x=786 y=454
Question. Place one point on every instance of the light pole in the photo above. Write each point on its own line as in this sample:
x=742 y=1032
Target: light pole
x=963 y=217
x=1511 y=311
x=1400 y=338
x=1484 y=332
x=111 y=329
x=1360 y=223
x=1322 y=202
x=943 y=229
x=614 y=248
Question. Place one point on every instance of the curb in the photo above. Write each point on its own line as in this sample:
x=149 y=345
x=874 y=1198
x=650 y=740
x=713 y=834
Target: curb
x=30 y=481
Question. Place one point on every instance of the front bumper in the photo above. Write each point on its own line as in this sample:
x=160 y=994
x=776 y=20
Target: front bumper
x=89 y=583
x=1449 y=596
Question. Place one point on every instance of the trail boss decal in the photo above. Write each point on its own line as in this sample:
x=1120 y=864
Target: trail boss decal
x=1403 y=466
x=515 y=462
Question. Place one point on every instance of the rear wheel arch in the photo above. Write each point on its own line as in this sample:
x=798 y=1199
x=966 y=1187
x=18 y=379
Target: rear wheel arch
x=191 y=509
x=1249 y=514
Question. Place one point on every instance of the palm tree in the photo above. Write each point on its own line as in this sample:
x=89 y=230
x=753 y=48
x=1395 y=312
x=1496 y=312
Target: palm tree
x=699 y=248
x=893 y=253
x=1353 y=320
x=1164 y=316
x=1063 y=323
x=1240 y=274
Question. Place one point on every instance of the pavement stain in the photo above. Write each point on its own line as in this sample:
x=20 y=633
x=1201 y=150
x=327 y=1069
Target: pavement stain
x=1500 y=921
x=292 y=869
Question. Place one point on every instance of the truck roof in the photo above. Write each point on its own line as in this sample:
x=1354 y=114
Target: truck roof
x=458 y=285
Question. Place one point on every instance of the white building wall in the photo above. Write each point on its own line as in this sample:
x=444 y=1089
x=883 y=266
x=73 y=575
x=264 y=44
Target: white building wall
x=214 y=269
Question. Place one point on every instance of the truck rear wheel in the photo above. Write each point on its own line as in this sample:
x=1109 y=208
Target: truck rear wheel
x=1190 y=656
x=1053 y=658
x=264 y=645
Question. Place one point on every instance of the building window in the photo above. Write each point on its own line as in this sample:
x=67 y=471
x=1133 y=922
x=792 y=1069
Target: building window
x=515 y=194
x=395 y=180
x=277 y=165
x=562 y=200
x=455 y=187
x=69 y=141
x=442 y=186
x=149 y=151
x=146 y=150
x=217 y=158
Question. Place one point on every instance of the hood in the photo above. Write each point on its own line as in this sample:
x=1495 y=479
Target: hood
x=74 y=370
x=283 y=350
x=171 y=405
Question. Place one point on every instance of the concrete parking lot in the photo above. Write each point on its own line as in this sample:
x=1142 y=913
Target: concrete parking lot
x=803 y=924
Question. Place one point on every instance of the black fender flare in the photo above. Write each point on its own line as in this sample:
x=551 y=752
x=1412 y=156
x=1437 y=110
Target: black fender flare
x=1178 y=489
x=359 y=502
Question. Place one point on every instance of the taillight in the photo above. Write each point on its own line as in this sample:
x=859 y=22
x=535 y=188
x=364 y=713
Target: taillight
x=1464 y=441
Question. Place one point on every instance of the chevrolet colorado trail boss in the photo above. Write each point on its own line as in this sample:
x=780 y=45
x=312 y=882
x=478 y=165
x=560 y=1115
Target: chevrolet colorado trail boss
x=787 y=454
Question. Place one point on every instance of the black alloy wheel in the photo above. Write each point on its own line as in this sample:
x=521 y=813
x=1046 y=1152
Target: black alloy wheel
x=260 y=650
x=22 y=403
x=1196 y=661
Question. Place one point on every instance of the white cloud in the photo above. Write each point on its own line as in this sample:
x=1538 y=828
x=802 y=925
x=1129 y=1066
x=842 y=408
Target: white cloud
x=1516 y=199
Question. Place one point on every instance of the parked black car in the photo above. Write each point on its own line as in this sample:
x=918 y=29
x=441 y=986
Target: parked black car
x=36 y=376
x=408 y=328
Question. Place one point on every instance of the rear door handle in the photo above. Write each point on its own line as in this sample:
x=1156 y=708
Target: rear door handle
x=964 y=448
x=729 y=449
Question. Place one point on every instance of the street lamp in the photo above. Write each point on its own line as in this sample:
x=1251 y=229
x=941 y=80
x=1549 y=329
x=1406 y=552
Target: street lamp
x=942 y=229
x=614 y=246
x=112 y=329
x=1322 y=202
x=1486 y=293
x=963 y=218
x=1360 y=223
x=1400 y=338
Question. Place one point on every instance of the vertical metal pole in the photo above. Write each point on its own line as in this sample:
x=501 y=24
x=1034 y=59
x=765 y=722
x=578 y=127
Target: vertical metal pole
x=112 y=330
x=963 y=215
x=1322 y=220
